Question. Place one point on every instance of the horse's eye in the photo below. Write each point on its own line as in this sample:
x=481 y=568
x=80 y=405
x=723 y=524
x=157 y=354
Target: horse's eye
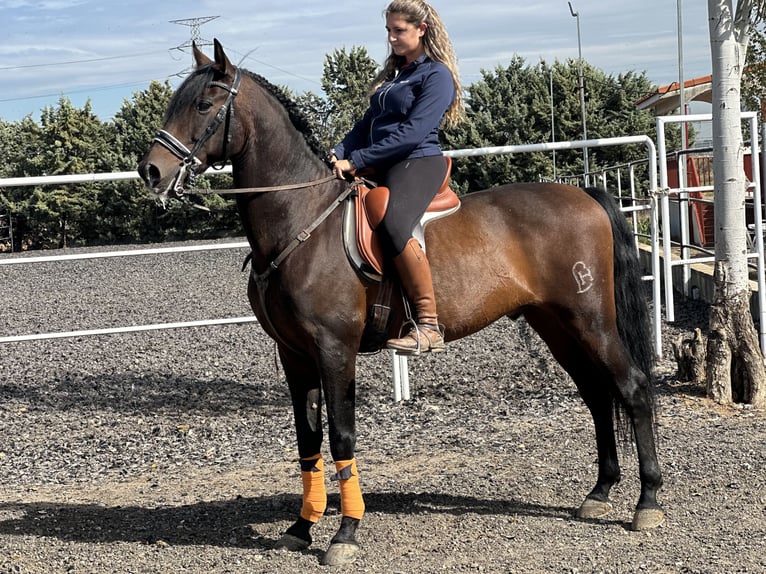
x=204 y=106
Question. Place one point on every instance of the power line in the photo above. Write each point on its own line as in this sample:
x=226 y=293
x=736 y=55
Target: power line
x=80 y=91
x=3 y=68
x=272 y=66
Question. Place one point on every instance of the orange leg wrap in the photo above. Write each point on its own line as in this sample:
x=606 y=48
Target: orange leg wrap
x=351 y=502
x=314 y=493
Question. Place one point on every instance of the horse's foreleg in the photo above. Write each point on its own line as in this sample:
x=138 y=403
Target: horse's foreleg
x=303 y=381
x=340 y=395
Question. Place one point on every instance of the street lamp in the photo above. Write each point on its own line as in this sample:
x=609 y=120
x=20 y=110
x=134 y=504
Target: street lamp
x=553 y=126
x=582 y=94
x=681 y=99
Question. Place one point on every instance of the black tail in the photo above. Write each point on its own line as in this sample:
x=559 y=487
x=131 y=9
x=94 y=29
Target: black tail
x=633 y=319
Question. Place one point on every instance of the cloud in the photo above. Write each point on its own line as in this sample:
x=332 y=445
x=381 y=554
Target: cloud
x=127 y=43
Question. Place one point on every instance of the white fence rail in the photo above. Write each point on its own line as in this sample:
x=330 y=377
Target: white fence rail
x=686 y=260
x=132 y=328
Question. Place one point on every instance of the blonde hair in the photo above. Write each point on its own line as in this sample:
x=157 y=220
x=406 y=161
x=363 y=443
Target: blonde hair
x=437 y=46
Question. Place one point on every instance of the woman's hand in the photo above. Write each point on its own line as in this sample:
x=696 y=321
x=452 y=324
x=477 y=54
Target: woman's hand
x=342 y=167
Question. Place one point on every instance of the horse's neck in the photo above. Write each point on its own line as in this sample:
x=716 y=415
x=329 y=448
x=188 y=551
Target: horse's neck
x=276 y=153
x=273 y=219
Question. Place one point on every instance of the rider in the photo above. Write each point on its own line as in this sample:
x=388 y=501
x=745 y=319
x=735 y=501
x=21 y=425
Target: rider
x=398 y=136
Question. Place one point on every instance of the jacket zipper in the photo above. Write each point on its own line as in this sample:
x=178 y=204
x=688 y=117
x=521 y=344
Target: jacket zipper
x=382 y=103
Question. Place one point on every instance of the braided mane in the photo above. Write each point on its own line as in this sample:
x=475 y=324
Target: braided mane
x=296 y=115
x=199 y=79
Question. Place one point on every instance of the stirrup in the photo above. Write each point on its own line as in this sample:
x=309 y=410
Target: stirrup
x=421 y=338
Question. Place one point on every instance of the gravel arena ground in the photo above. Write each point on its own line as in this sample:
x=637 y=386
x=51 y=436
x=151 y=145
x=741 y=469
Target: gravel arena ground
x=174 y=451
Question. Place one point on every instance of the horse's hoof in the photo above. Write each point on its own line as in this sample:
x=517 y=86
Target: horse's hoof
x=647 y=518
x=591 y=509
x=290 y=543
x=340 y=553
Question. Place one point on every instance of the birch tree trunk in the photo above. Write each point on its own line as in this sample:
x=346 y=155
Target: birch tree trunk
x=735 y=366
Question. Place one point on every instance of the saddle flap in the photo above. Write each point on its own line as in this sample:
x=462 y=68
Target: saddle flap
x=367 y=241
x=369 y=208
x=375 y=205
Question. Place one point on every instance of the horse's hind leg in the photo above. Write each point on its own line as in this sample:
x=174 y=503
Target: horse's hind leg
x=638 y=403
x=633 y=396
x=597 y=398
x=605 y=377
x=600 y=405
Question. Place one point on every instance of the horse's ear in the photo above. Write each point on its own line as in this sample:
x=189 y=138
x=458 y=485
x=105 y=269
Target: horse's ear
x=200 y=58
x=222 y=63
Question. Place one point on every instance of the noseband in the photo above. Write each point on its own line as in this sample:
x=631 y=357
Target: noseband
x=189 y=161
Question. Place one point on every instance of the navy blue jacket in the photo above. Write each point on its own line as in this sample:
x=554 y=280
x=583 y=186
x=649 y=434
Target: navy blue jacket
x=403 y=119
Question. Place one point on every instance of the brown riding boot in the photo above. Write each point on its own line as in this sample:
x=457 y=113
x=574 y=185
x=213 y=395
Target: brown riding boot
x=415 y=276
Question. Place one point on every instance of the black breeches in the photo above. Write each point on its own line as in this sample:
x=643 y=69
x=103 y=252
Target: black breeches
x=413 y=184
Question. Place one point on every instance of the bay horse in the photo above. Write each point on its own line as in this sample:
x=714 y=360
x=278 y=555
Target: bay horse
x=561 y=257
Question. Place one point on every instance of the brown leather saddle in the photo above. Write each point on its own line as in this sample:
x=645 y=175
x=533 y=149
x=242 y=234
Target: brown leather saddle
x=364 y=213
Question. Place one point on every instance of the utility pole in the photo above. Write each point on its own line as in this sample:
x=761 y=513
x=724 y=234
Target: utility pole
x=194 y=25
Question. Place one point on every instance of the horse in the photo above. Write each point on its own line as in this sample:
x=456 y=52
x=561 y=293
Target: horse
x=562 y=257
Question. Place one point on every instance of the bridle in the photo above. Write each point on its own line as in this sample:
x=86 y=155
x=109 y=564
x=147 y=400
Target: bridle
x=190 y=163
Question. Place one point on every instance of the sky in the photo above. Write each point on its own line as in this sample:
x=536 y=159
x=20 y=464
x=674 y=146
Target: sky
x=106 y=51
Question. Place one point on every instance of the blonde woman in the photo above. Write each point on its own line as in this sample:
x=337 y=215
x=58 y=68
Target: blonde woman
x=416 y=91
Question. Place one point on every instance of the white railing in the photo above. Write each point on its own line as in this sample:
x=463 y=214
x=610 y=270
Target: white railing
x=132 y=328
x=686 y=259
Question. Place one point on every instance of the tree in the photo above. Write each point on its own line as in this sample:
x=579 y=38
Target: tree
x=318 y=114
x=508 y=106
x=754 y=75
x=512 y=105
x=138 y=120
x=346 y=80
x=9 y=137
x=735 y=367
x=21 y=145
x=73 y=141
x=69 y=140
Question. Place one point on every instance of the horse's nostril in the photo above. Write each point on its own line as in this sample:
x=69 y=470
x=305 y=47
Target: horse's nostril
x=150 y=173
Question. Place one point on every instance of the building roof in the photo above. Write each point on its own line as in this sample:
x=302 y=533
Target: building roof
x=667 y=98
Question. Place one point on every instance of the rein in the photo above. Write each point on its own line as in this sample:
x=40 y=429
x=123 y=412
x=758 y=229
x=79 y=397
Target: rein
x=262 y=278
x=285 y=187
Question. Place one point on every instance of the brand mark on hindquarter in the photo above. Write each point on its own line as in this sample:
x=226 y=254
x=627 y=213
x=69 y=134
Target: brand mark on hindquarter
x=583 y=276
